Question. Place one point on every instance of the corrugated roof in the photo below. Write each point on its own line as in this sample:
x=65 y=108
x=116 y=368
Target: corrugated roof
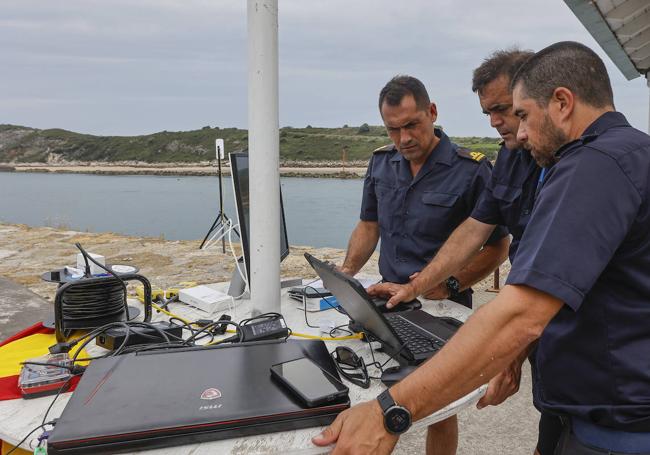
x=622 y=28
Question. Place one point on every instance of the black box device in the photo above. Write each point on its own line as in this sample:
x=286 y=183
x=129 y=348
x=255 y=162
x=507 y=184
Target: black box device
x=309 y=382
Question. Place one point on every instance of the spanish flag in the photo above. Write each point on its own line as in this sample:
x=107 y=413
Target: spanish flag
x=32 y=342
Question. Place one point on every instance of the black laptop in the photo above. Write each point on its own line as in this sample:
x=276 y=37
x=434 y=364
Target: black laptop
x=186 y=396
x=410 y=336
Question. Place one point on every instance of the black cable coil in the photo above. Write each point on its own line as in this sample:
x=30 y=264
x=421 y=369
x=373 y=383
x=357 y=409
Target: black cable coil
x=93 y=300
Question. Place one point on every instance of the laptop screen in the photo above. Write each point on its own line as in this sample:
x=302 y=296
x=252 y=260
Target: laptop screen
x=354 y=299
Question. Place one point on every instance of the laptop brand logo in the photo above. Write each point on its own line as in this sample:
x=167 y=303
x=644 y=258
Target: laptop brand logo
x=211 y=394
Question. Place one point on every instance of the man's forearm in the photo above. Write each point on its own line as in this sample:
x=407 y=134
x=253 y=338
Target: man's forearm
x=492 y=338
x=362 y=244
x=462 y=245
x=483 y=263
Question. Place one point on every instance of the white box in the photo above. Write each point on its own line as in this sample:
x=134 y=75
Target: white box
x=94 y=268
x=205 y=298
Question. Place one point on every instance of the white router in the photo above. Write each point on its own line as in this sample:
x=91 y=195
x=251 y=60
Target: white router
x=205 y=298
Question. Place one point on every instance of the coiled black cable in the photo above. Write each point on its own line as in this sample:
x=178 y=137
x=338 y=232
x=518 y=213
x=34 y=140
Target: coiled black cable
x=94 y=300
x=90 y=301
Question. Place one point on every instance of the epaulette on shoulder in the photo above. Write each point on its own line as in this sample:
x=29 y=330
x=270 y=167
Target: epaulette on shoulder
x=384 y=149
x=470 y=155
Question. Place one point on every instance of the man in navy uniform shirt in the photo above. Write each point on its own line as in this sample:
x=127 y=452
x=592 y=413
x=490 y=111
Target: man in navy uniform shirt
x=508 y=201
x=416 y=192
x=580 y=282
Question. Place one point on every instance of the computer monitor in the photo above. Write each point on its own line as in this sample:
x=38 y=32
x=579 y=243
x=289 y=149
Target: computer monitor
x=239 y=171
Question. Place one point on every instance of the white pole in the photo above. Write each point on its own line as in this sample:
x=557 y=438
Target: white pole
x=264 y=155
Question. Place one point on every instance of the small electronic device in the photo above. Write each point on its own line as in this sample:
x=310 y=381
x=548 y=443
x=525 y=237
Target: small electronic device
x=46 y=376
x=312 y=385
x=309 y=292
x=205 y=298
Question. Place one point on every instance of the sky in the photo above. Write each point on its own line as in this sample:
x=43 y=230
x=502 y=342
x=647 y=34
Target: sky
x=126 y=68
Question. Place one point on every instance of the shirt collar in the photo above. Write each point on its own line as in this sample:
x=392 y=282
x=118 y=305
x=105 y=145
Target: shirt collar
x=603 y=123
x=521 y=151
x=443 y=152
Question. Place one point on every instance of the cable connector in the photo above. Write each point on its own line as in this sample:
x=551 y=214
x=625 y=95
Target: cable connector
x=203 y=322
x=77 y=369
x=63 y=347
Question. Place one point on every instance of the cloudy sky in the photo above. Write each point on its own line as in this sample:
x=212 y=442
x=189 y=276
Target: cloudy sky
x=125 y=67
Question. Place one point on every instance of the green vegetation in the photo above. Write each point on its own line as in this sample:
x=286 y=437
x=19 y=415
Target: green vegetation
x=22 y=144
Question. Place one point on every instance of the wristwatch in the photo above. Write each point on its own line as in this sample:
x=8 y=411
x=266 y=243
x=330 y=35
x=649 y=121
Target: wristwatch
x=397 y=419
x=453 y=286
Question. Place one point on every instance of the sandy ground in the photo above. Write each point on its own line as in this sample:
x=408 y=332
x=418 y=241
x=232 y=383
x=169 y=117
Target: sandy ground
x=25 y=253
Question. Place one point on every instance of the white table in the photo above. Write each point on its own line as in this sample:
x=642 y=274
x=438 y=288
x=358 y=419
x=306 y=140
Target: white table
x=18 y=417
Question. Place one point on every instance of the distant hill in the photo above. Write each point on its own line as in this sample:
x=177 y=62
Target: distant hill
x=23 y=144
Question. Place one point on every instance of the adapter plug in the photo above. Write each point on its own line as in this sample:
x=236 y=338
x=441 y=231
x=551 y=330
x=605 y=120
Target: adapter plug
x=220 y=329
x=265 y=329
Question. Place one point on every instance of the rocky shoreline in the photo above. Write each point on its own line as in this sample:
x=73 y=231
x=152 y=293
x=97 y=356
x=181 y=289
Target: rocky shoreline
x=292 y=169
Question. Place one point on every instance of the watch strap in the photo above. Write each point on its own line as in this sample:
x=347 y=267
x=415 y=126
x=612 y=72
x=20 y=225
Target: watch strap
x=385 y=400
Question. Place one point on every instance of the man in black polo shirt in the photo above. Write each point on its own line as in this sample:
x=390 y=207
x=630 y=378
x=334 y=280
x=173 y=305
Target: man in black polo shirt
x=580 y=281
x=416 y=192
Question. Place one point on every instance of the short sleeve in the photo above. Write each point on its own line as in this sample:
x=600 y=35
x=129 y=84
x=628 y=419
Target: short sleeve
x=369 y=198
x=482 y=180
x=582 y=215
x=487 y=209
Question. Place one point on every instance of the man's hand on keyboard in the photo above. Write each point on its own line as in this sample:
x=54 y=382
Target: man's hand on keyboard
x=395 y=293
x=439 y=292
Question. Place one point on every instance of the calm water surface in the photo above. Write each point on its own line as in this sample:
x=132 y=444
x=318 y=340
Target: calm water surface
x=319 y=212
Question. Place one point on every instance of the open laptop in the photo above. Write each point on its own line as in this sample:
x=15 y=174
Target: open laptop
x=410 y=336
x=185 y=396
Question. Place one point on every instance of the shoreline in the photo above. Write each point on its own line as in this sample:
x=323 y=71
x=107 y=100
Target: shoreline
x=335 y=171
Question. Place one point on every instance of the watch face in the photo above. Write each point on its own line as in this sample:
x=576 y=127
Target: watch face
x=398 y=420
x=452 y=284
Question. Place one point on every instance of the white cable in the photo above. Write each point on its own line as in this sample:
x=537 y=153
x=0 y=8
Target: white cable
x=234 y=255
x=223 y=231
